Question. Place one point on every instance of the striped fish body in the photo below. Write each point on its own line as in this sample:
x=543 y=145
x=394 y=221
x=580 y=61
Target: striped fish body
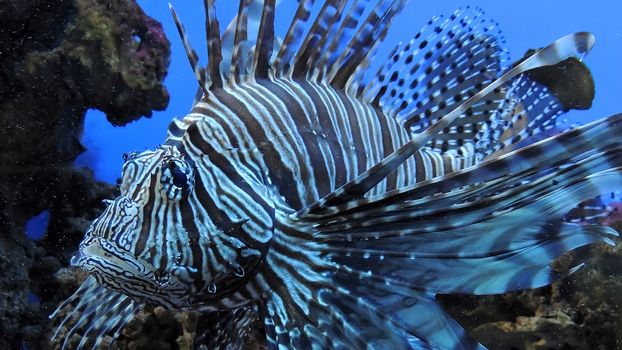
x=331 y=206
x=308 y=139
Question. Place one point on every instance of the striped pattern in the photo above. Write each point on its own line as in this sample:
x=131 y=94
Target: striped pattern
x=333 y=205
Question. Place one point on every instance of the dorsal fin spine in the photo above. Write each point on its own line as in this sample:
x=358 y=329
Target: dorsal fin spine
x=316 y=32
x=329 y=28
x=241 y=35
x=193 y=58
x=374 y=27
x=214 y=45
x=265 y=41
x=343 y=34
x=352 y=82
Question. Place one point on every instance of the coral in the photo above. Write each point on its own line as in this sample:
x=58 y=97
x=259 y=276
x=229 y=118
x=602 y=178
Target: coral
x=57 y=59
x=60 y=58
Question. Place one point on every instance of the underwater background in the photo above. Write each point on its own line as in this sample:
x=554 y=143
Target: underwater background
x=62 y=155
x=526 y=25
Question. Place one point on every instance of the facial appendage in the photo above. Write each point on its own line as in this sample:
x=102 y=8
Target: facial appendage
x=158 y=243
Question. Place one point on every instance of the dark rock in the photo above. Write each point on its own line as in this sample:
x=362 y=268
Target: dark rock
x=59 y=58
x=569 y=80
x=16 y=258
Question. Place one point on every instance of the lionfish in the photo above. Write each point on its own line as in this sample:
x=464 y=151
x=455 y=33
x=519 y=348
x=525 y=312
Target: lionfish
x=330 y=204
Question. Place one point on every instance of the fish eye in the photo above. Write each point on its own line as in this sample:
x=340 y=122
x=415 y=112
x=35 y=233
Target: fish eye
x=180 y=179
x=177 y=178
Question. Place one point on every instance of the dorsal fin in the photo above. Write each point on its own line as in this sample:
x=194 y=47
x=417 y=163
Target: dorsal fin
x=528 y=109
x=212 y=33
x=354 y=84
x=370 y=34
x=318 y=33
x=571 y=45
x=193 y=58
x=283 y=58
x=342 y=36
x=254 y=16
x=445 y=63
x=228 y=36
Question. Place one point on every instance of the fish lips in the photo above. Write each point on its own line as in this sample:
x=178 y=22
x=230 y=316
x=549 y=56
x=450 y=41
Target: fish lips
x=97 y=252
x=120 y=270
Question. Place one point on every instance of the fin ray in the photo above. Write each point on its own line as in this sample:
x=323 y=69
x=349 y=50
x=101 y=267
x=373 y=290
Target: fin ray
x=265 y=41
x=214 y=45
x=98 y=309
x=193 y=58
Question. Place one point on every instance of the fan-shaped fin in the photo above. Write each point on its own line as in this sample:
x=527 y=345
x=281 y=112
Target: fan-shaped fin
x=574 y=44
x=528 y=109
x=96 y=313
x=481 y=254
x=366 y=276
x=448 y=61
x=318 y=303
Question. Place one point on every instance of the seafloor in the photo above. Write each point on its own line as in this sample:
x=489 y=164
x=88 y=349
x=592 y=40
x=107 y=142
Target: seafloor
x=59 y=58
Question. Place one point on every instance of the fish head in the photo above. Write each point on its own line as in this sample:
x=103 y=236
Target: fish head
x=156 y=241
x=130 y=248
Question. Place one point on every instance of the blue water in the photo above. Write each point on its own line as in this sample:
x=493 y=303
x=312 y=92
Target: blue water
x=526 y=24
x=37 y=226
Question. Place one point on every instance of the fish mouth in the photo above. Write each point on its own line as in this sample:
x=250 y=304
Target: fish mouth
x=120 y=270
x=97 y=251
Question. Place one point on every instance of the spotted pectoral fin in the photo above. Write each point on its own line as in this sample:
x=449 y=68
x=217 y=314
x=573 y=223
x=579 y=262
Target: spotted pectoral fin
x=96 y=313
